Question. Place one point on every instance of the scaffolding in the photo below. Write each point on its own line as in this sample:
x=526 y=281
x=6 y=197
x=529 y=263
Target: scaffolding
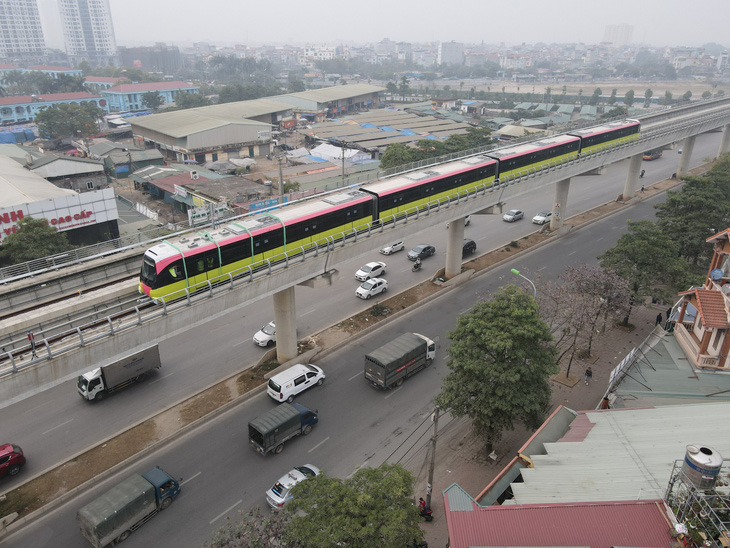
x=704 y=512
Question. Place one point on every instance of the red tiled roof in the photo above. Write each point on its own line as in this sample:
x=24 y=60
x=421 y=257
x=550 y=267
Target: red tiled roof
x=102 y=79
x=724 y=235
x=149 y=86
x=47 y=97
x=9 y=67
x=711 y=305
x=598 y=525
x=46 y=67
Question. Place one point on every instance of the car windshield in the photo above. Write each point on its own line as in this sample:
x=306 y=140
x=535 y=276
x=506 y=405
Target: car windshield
x=512 y=212
x=280 y=489
x=269 y=329
x=311 y=368
x=543 y=214
x=366 y=268
x=367 y=285
x=419 y=249
x=308 y=472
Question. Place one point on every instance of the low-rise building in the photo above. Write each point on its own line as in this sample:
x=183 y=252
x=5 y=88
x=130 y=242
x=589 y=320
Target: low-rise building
x=24 y=108
x=124 y=97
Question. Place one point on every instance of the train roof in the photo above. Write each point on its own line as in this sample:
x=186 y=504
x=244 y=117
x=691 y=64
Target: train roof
x=201 y=240
x=532 y=146
x=412 y=178
x=597 y=130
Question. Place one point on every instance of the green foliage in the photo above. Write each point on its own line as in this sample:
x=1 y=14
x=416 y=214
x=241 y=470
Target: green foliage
x=612 y=99
x=404 y=87
x=191 y=100
x=291 y=186
x=500 y=360
x=295 y=86
x=687 y=95
x=706 y=94
x=595 y=97
x=648 y=260
x=615 y=113
x=252 y=530
x=248 y=92
x=34 y=239
x=399 y=154
x=35 y=82
x=689 y=216
x=667 y=97
x=152 y=100
x=372 y=509
x=68 y=120
x=396 y=154
x=629 y=98
x=391 y=88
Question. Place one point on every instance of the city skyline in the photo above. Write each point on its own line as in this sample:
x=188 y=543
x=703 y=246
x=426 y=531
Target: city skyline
x=226 y=22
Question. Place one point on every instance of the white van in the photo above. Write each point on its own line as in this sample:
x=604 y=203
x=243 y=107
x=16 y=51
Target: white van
x=287 y=384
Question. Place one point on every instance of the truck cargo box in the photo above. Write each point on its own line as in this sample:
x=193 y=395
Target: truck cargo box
x=131 y=366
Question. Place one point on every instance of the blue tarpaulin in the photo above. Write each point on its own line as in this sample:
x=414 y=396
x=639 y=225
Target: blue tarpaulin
x=7 y=137
x=431 y=138
x=385 y=128
x=367 y=124
x=407 y=131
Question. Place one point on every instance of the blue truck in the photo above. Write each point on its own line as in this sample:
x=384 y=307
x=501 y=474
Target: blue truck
x=113 y=516
x=268 y=432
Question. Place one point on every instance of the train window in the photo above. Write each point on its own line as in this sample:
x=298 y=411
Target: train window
x=210 y=263
x=175 y=271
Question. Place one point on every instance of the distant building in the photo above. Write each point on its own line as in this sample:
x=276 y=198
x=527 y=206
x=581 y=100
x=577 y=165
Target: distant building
x=158 y=58
x=70 y=172
x=88 y=31
x=54 y=71
x=125 y=97
x=451 y=53
x=618 y=35
x=21 y=34
x=97 y=84
x=23 y=108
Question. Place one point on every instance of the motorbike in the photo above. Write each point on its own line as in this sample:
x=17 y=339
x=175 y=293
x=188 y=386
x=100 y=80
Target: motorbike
x=415 y=544
x=416 y=267
x=427 y=513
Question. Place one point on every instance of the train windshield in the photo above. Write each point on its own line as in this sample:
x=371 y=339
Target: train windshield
x=148 y=274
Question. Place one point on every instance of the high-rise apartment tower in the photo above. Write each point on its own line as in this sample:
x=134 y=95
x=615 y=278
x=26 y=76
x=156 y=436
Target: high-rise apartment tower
x=21 y=34
x=88 y=31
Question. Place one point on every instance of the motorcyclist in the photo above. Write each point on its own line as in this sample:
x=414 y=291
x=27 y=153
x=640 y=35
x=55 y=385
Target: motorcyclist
x=417 y=264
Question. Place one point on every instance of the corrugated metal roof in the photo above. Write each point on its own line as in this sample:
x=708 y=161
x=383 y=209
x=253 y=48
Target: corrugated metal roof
x=20 y=186
x=627 y=455
x=325 y=95
x=598 y=525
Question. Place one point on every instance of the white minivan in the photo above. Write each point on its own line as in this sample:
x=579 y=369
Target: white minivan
x=287 y=384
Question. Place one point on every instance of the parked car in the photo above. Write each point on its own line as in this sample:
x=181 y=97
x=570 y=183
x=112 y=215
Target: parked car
x=467 y=221
x=392 y=248
x=11 y=459
x=470 y=246
x=652 y=155
x=513 y=215
x=266 y=335
x=285 y=146
x=294 y=380
x=280 y=492
x=371 y=287
x=374 y=269
x=542 y=217
x=422 y=251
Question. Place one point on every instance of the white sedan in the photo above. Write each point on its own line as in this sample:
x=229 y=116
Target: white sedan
x=392 y=248
x=542 y=217
x=371 y=287
x=279 y=494
x=513 y=215
x=370 y=270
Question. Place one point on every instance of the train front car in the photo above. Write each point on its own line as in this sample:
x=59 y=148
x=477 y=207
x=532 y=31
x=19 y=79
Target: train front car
x=525 y=158
x=597 y=138
x=400 y=195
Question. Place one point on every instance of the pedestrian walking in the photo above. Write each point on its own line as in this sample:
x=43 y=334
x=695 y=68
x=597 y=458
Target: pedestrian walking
x=589 y=374
x=669 y=313
x=641 y=175
x=642 y=189
x=658 y=319
x=31 y=338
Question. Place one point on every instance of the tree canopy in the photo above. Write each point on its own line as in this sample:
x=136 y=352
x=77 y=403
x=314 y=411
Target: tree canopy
x=500 y=360
x=34 y=239
x=191 y=100
x=399 y=154
x=68 y=120
x=152 y=100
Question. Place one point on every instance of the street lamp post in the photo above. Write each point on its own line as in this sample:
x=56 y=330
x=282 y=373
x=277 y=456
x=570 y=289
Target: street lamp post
x=517 y=273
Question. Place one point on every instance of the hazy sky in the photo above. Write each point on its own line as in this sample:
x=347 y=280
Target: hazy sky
x=299 y=22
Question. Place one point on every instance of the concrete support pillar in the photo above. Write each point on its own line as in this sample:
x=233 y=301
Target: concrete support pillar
x=725 y=143
x=285 y=316
x=686 y=156
x=560 y=205
x=454 y=245
x=632 y=178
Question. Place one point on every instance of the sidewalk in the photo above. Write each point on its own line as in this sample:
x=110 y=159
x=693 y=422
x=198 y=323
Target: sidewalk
x=461 y=457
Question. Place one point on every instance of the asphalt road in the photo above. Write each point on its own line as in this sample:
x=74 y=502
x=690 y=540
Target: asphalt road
x=58 y=424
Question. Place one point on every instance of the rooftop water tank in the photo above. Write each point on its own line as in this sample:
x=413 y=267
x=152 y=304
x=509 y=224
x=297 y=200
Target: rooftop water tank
x=701 y=466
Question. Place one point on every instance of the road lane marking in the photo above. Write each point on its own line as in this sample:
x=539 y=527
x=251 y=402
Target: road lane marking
x=392 y=391
x=190 y=478
x=306 y=313
x=358 y=468
x=240 y=343
x=360 y=374
x=159 y=379
x=320 y=443
x=219 y=516
x=58 y=426
x=541 y=268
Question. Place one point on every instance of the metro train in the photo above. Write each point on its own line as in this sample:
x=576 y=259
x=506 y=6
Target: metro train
x=192 y=261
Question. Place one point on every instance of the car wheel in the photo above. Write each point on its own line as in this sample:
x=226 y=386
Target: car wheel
x=269 y=343
x=166 y=503
x=383 y=273
x=319 y=382
x=384 y=290
x=307 y=430
x=13 y=470
x=290 y=399
x=124 y=536
x=368 y=296
x=100 y=396
x=398 y=382
x=279 y=448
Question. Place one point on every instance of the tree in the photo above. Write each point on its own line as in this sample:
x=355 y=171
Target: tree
x=580 y=96
x=595 y=97
x=687 y=95
x=396 y=154
x=68 y=120
x=629 y=98
x=152 y=100
x=647 y=96
x=612 y=99
x=191 y=100
x=371 y=509
x=667 y=97
x=391 y=88
x=706 y=94
x=252 y=530
x=295 y=86
x=34 y=239
x=500 y=360
x=648 y=260
x=404 y=87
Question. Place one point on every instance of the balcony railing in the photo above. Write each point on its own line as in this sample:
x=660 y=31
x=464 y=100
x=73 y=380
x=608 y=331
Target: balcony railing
x=691 y=348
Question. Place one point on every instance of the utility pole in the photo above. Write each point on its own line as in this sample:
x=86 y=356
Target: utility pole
x=343 y=162
x=281 y=180
x=429 y=486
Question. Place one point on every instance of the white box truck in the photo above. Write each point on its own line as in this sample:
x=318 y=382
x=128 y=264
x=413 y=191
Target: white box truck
x=99 y=382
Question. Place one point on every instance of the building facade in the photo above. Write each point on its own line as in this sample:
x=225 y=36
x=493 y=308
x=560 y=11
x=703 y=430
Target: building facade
x=21 y=34
x=451 y=53
x=23 y=108
x=88 y=31
x=126 y=97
